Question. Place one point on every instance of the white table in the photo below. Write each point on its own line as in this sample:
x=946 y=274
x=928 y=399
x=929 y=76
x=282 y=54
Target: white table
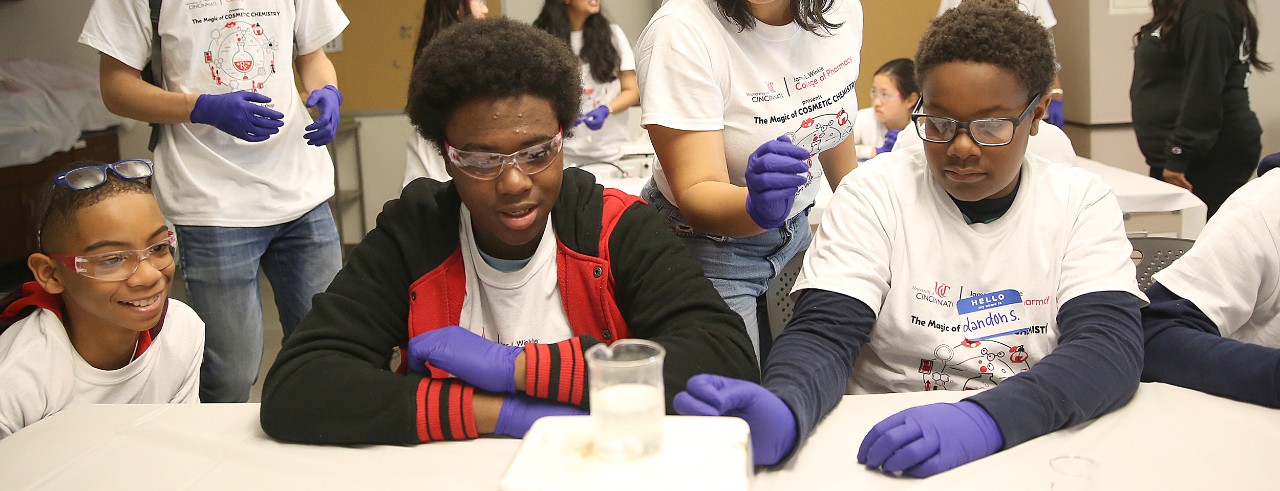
x=1166 y=438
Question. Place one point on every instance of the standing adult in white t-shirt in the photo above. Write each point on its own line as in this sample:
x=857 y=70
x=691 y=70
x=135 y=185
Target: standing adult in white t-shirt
x=609 y=85
x=748 y=105
x=422 y=159
x=241 y=167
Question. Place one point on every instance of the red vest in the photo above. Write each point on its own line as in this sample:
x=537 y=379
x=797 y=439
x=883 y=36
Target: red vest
x=586 y=285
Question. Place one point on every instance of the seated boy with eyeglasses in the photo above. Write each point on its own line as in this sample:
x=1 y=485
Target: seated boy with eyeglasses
x=501 y=277
x=964 y=264
x=97 y=325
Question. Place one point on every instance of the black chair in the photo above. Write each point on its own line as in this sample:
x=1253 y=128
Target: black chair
x=1155 y=254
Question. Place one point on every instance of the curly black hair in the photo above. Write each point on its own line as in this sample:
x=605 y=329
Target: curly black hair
x=488 y=58
x=56 y=213
x=597 y=39
x=994 y=32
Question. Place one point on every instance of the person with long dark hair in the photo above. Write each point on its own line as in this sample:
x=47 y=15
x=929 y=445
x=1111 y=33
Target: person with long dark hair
x=421 y=158
x=609 y=84
x=1190 y=95
x=749 y=103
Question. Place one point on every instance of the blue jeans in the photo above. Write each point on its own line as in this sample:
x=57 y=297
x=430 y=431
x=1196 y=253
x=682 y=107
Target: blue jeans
x=740 y=268
x=221 y=264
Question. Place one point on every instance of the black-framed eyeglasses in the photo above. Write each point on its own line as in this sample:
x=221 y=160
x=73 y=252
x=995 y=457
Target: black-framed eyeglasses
x=987 y=132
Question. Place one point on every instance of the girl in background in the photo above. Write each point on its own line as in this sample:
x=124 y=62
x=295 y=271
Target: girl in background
x=893 y=94
x=609 y=84
x=1190 y=95
x=421 y=158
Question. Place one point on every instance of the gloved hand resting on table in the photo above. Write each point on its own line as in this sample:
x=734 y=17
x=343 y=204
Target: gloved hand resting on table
x=594 y=118
x=322 y=131
x=520 y=411
x=238 y=114
x=890 y=137
x=925 y=440
x=478 y=361
x=773 y=426
x=775 y=172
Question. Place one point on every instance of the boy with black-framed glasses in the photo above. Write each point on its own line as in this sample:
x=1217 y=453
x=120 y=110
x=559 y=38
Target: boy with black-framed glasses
x=97 y=325
x=962 y=264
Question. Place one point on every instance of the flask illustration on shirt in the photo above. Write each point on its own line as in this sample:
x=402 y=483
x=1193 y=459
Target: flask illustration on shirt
x=973 y=365
x=241 y=56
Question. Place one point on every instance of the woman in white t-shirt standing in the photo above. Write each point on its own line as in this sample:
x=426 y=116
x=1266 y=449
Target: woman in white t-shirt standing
x=609 y=85
x=748 y=104
x=422 y=159
x=893 y=94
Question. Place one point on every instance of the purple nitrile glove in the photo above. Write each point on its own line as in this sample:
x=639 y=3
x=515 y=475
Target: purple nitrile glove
x=520 y=411
x=594 y=118
x=1055 y=116
x=236 y=114
x=925 y=440
x=478 y=361
x=890 y=137
x=322 y=131
x=773 y=426
x=774 y=175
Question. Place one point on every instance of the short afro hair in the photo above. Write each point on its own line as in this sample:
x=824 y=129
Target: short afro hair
x=59 y=205
x=994 y=32
x=491 y=58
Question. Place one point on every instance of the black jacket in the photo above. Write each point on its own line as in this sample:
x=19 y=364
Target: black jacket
x=331 y=382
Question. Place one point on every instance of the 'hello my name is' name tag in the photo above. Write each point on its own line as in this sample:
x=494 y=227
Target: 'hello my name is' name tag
x=991 y=315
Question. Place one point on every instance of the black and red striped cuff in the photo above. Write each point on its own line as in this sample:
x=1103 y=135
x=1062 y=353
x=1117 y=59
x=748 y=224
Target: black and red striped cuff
x=444 y=410
x=555 y=371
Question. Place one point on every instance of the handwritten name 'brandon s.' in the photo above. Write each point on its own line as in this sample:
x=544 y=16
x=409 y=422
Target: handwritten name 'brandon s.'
x=819 y=75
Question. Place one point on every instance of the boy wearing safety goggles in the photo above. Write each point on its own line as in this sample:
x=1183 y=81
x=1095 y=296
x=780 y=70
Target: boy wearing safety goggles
x=88 y=330
x=500 y=277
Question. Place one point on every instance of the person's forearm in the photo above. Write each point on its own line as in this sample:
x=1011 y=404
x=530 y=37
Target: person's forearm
x=717 y=208
x=630 y=94
x=1094 y=369
x=1184 y=348
x=486 y=407
x=839 y=161
x=316 y=71
x=126 y=94
x=811 y=360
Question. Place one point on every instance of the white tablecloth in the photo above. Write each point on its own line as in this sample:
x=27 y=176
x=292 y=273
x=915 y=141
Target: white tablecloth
x=1166 y=438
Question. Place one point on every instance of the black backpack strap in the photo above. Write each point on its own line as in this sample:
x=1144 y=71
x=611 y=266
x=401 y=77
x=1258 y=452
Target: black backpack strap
x=152 y=72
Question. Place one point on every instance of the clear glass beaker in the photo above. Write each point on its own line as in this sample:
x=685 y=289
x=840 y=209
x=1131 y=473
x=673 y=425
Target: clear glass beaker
x=627 y=398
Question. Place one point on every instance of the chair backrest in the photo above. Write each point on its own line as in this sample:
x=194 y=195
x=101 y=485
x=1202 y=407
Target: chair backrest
x=1156 y=254
x=778 y=298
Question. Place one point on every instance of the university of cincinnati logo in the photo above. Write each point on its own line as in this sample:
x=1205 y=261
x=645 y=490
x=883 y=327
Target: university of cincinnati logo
x=937 y=296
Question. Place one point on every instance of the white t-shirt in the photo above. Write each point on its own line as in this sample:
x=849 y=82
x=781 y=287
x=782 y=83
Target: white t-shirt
x=605 y=144
x=203 y=176
x=1038 y=8
x=1232 y=273
x=893 y=239
x=868 y=133
x=423 y=160
x=41 y=373
x=517 y=307
x=699 y=73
